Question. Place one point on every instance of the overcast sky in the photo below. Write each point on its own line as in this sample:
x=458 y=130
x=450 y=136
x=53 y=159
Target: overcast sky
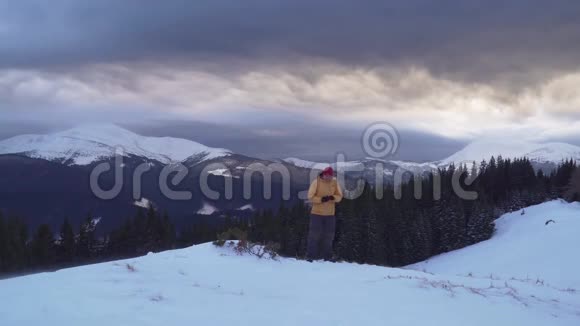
x=295 y=78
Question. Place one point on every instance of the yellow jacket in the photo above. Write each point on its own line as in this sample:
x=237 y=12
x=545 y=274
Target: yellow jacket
x=320 y=188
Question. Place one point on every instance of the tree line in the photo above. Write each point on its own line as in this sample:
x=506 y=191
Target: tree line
x=20 y=252
x=386 y=231
x=398 y=232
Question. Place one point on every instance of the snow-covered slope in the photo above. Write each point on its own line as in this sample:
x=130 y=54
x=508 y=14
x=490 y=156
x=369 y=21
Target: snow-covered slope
x=215 y=286
x=86 y=144
x=523 y=247
x=508 y=148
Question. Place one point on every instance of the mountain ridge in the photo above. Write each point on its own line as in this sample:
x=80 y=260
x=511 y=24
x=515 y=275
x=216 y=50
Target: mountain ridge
x=551 y=153
x=87 y=144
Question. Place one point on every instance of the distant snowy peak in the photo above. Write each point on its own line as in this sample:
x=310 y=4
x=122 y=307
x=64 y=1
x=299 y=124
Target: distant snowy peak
x=477 y=151
x=320 y=165
x=555 y=152
x=536 y=152
x=86 y=144
x=300 y=162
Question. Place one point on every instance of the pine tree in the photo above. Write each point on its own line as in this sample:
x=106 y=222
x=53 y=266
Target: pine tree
x=43 y=252
x=423 y=237
x=573 y=190
x=452 y=226
x=480 y=226
x=388 y=212
x=376 y=252
x=287 y=243
x=167 y=233
x=436 y=218
x=228 y=221
x=66 y=243
x=153 y=231
x=16 y=256
x=138 y=236
x=3 y=243
x=86 y=241
x=347 y=246
x=295 y=231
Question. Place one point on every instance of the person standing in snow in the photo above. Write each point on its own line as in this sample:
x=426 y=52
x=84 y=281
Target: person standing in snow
x=324 y=193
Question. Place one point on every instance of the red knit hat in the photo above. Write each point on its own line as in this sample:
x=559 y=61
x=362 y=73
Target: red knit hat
x=327 y=171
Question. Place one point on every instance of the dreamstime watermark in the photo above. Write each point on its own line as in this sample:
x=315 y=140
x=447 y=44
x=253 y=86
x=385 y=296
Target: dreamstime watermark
x=379 y=141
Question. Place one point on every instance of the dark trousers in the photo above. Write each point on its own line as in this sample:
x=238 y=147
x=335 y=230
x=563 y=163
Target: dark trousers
x=320 y=237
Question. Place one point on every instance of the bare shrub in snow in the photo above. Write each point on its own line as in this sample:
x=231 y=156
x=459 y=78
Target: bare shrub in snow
x=244 y=246
x=493 y=290
x=131 y=268
x=157 y=298
x=231 y=234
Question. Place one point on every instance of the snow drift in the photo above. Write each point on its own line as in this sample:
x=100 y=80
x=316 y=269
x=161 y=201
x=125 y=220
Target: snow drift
x=540 y=245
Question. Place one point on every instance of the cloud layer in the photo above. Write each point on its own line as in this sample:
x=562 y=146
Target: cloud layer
x=411 y=98
x=471 y=38
x=458 y=69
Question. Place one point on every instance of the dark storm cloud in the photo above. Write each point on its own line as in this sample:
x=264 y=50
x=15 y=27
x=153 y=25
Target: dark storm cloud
x=475 y=39
x=306 y=140
x=8 y=129
x=310 y=141
x=259 y=68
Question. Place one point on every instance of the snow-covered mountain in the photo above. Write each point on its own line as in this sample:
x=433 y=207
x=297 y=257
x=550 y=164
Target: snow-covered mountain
x=90 y=143
x=508 y=148
x=217 y=286
x=321 y=165
x=42 y=176
x=542 y=155
x=87 y=144
x=301 y=163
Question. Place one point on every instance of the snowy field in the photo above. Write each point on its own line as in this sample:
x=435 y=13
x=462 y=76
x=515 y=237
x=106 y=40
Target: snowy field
x=525 y=275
